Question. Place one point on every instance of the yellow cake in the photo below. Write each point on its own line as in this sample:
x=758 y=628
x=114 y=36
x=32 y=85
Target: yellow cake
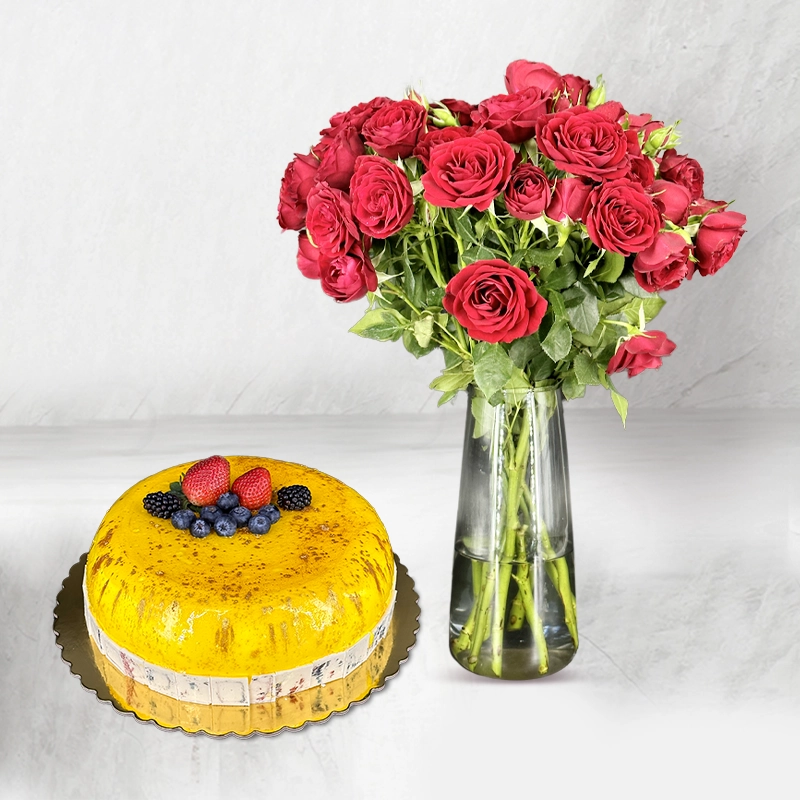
x=245 y=619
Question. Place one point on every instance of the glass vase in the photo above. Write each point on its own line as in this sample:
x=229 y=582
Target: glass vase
x=512 y=610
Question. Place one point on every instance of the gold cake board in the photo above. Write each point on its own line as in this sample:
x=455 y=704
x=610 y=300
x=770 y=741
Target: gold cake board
x=317 y=704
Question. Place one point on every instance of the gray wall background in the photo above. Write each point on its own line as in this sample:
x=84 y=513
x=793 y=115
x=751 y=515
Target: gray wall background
x=142 y=146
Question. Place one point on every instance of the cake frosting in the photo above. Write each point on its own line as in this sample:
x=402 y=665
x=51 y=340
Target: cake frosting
x=246 y=619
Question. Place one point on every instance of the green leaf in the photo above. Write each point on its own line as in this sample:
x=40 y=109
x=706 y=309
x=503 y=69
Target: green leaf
x=584 y=318
x=572 y=387
x=621 y=404
x=650 y=305
x=585 y=369
x=483 y=414
x=561 y=278
x=446 y=398
x=176 y=487
x=540 y=367
x=631 y=285
x=558 y=340
x=414 y=347
x=453 y=380
x=538 y=257
x=423 y=330
x=493 y=367
x=477 y=253
x=381 y=324
x=613 y=264
x=523 y=350
x=592 y=265
x=556 y=301
x=434 y=297
x=517 y=385
x=463 y=226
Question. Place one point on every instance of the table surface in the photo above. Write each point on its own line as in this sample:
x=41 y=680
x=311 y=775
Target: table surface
x=688 y=583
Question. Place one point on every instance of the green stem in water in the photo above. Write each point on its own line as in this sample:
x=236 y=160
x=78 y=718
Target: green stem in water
x=464 y=638
x=484 y=607
x=534 y=621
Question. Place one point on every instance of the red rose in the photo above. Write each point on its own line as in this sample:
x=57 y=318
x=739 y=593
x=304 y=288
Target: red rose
x=574 y=91
x=569 y=199
x=664 y=264
x=307 y=257
x=355 y=117
x=683 y=170
x=525 y=74
x=297 y=182
x=717 y=240
x=494 y=301
x=329 y=221
x=641 y=352
x=437 y=136
x=381 y=196
x=643 y=171
x=703 y=206
x=338 y=157
x=611 y=110
x=394 y=130
x=528 y=192
x=468 y=172
x=672 y=200
x=621 y=217
x=513 y=116
x=584 y=142
x=460 y=109
x=347 y=277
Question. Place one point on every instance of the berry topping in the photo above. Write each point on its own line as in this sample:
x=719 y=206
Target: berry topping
x=228 y=501
x=259 y=524
x=201 y=528
x=161 y=504
x=270 y=512
x=241 y=515
x=225 y=525
x=209 y=513
x=294 y=498
x=254 y=488
x=206 y=481
x=183 y=519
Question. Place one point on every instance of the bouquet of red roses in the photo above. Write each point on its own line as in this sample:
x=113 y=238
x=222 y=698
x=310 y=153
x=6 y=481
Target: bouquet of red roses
x=526 y=237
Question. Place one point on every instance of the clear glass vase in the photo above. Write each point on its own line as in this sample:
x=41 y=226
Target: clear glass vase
x=512 y=611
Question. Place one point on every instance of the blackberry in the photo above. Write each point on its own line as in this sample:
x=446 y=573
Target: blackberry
x=161 y=504
x=294 y=498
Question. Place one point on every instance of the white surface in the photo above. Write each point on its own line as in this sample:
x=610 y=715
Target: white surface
x=686 y=684
x=142 y=150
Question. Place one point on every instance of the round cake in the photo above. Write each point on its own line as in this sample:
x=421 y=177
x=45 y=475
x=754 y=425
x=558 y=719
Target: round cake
x=244 y=617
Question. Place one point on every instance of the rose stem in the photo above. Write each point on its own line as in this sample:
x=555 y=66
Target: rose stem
x=558 y=571
x=533 y=620
x=517 y=460
x=463 y=640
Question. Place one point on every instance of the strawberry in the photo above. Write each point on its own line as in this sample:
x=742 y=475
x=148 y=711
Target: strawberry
x=206 y=480
x=254 y=488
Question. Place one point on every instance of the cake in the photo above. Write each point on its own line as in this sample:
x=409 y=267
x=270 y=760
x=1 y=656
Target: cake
x=239 y=619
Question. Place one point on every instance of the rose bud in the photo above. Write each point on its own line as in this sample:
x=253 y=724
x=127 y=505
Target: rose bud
x=574 y=91
x=717 y=240
x=664 y=264
x=672 y=200
x=461 y=110
x=494 y=301
x=641 y=352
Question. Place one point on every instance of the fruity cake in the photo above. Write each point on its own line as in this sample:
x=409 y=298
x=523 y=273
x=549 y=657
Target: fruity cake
x=238 y=581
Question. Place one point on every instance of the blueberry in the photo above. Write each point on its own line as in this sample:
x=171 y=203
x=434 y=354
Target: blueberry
x=225 y=525
x=201 y=528
x=270 y=512
x=209 y=514
x=259 y=524
x=183 y=519
x=241 y=515
x=228 y=501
